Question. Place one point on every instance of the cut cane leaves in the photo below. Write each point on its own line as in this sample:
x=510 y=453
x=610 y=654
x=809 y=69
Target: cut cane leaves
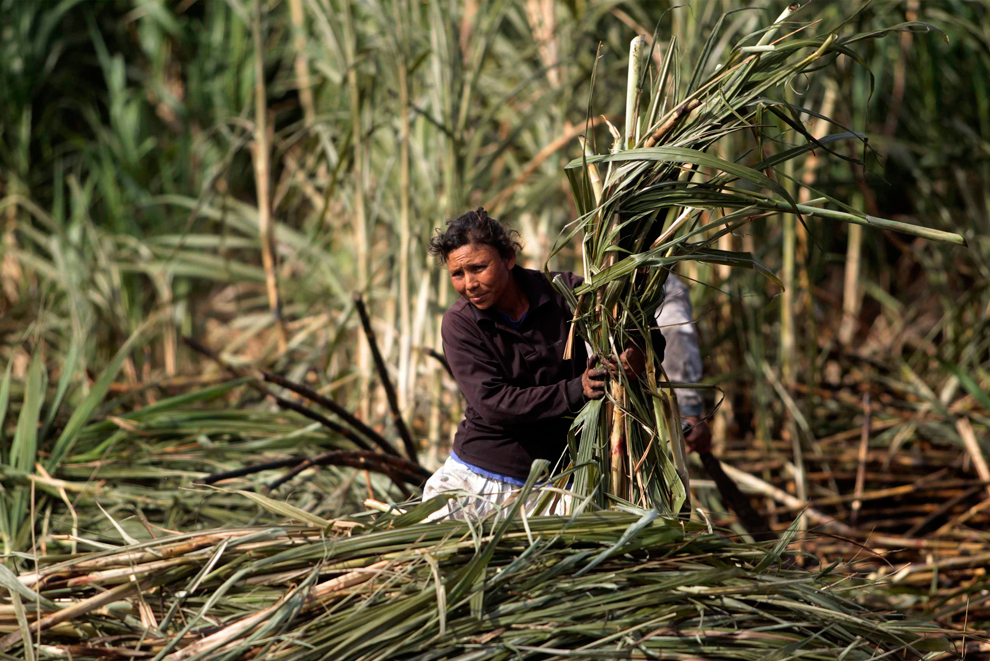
x=288 y=511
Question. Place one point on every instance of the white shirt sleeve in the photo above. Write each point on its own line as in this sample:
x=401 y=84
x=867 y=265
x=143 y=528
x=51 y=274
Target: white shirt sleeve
x=682 y=357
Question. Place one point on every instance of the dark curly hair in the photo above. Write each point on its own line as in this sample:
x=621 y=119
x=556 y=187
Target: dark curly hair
x=474 y=227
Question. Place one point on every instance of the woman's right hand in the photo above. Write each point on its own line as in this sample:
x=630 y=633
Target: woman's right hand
x=593 y=380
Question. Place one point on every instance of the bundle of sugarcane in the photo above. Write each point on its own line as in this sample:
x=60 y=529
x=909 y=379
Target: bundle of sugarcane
x=600 y=584
x=664 y=195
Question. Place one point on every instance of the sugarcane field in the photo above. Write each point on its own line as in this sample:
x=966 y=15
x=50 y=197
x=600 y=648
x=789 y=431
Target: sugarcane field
x=494 y=329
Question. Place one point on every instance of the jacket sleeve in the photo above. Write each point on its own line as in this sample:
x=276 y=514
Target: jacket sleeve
x=482 y=381
x=682 y=358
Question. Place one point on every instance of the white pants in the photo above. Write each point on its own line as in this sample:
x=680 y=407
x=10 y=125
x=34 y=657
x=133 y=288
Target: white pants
x=478 y=496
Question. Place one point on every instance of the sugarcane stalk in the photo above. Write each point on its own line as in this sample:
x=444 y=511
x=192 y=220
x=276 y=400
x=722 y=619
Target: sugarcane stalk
x=410 y=472
x=633 y=89
x=405 y=235
x=360 y=221
x=617 y=438
x=616 y=414
x=851 y=298
x=301 y=65
x=262 y=171
x=368 y=461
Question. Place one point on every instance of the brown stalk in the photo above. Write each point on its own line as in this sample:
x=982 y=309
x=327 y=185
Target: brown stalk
x=968 y=437
x=864 y=443
x=337 y=409
x=851 y=297
x=617 y=441
x=673 y=117
x=393 y=400
x=261 y=150
x=411 y=473
x=288 y=404
x=819 y=129
x=399 y=470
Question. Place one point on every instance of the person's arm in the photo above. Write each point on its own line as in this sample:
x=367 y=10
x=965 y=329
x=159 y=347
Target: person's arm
x=682 y=358
x=480 y=378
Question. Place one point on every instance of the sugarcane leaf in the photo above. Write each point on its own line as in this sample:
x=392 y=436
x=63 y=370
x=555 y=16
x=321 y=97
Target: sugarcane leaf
x=969 y=383
x=5 y=401
x=586 y=423
x=419 y=513
x=65 y=380
x=788 y=154
x=469 y=576
x=440 y=590
x=684 y=155
x=198 y=396
x=702 y=61
x=285 y=509
x=796 y=125
x=11 y=583
x=650 y=259
x=123 y=533
x=775 y=554
x=859 y=218
x=25 y=444
x=581 y=189
x=24 y=448
x=96 y=394
x=917 y=27
x=646 y=519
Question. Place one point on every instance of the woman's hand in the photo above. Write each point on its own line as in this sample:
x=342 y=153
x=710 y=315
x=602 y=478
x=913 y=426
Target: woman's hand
x=593 y=380
x=633 y=362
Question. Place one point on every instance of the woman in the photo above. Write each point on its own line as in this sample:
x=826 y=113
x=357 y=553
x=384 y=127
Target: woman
x=504 y=341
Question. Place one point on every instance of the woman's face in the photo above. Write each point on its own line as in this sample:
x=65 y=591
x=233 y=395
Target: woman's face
x=480 y=274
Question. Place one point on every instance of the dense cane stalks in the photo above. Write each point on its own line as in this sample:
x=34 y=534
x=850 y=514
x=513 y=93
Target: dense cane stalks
x=647 y=219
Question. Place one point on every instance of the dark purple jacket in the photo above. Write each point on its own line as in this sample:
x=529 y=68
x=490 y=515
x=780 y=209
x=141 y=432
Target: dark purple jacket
x=520 y=392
